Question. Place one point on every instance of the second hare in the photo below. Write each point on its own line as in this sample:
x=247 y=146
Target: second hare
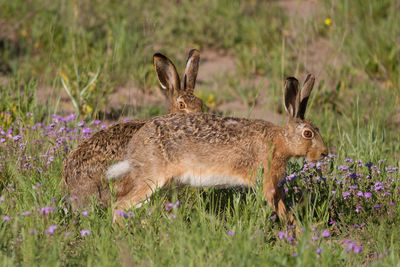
x=211 y=150
x=85 y=166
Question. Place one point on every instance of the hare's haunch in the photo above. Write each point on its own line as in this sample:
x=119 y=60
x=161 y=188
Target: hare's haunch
x=85 y=166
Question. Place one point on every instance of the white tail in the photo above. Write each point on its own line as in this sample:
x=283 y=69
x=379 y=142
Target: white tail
x=118 y=169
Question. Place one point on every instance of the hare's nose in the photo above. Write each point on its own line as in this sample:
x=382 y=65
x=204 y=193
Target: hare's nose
x=324 y=154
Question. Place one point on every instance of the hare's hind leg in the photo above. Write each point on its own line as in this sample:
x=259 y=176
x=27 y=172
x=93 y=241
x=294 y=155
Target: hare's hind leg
x=136 y=190
x=80 y=194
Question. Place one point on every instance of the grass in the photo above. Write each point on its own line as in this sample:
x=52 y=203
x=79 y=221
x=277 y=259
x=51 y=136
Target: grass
x=347 y=204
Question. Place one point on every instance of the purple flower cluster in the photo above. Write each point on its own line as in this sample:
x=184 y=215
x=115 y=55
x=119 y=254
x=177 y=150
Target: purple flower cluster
x=124 y=214
x=172 y=206
x=46 y=210
x=286 y=236
x=85 y=233
x=353 y=187
x=36 y=147
x=51 y=229
x=353 y=246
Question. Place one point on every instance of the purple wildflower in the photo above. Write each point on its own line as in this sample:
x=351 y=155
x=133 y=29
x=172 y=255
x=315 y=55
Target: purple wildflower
x=81 y=124
x=378 y=186
x=1 y=198
x=318 y=250
x=378 y=206
x=346 y=194
x=231 y=233
x=170 y=206
x=326 y=233
x=282 y=235
x=46 y=210
x=121 y=213
x=358 y=249
x=6 y=218
x=343 y=167
x=51 y=229
x=71 y=117
x=295 y=255
x=85 y=233
x=96 y=122
x=369 y=164
x=16 y=138
x=26 y=213
x=85 y=213
x=367 y=194
x=291 y=176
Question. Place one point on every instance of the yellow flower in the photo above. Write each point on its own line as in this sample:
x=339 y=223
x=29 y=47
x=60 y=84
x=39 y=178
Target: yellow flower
x=23 y=32
x=65 y=78
x=328 y=21
x=89 y=109
x=91 y=87
x=389 y=84
x=210 y=100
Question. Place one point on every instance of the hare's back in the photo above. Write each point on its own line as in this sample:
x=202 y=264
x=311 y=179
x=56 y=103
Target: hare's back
x=203 y=128
x=104 y=144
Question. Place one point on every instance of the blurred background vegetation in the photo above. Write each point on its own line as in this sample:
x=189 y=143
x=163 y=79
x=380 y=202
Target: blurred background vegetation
x=94 y=58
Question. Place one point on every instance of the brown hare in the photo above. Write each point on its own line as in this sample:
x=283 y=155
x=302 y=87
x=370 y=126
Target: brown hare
x=210 y=150
x=85 y=166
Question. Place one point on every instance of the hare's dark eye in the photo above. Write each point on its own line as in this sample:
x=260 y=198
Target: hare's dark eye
x=308 y=134
x=182 y=105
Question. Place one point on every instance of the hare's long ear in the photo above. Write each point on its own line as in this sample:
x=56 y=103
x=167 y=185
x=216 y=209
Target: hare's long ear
x=292 y=96
x=192 y=67
x=305 y=94
x=167 y=74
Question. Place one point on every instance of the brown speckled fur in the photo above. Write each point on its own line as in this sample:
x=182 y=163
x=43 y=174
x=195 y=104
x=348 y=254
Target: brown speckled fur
x=85 y=166
x=206 y=149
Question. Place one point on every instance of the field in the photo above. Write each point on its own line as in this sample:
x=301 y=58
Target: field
x=69 y=68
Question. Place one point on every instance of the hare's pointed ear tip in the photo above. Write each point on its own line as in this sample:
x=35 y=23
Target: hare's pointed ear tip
x=158 y=56
x=291 y=80
x=194 y=52
x=310 y=77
